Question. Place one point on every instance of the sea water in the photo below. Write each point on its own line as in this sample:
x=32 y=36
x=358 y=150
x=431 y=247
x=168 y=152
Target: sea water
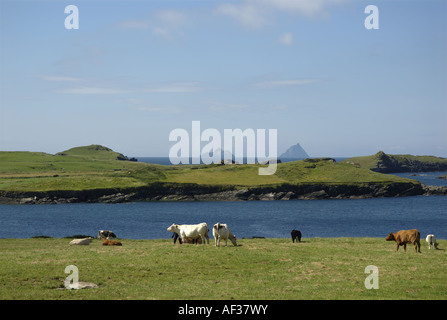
x=271 y=219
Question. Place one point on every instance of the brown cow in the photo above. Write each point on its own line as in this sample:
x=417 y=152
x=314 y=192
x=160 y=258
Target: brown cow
x=106 y=242
x=403 y=237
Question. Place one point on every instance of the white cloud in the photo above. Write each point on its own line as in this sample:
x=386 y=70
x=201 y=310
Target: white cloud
x=92 y=90
x=284 y=83
x=175 y=87
x=280 y=108
x=286 y=38
x=160 y=32
x=59 y=78
x=162 y=23
x=143 y=106
x=306 y=7
x=256 y=13
x=170 y=17
x=133 y=24
x=222 y=107
x=183 y=87
x=165 y=110
x=247 y=14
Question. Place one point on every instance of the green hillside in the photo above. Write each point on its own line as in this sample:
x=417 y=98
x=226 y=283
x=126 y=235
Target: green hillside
x=97 y=167
x=93 y=152
x=91 y=167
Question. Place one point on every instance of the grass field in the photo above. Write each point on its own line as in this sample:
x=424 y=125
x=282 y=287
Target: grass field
x=273 y=269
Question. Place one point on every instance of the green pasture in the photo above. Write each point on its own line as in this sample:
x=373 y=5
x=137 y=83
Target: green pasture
x=273 y=269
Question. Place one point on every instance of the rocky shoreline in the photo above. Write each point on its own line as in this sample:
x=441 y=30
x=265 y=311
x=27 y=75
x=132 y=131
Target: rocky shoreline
x=227 y=193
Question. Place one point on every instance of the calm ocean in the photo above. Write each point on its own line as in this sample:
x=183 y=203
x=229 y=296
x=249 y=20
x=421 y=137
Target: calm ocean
x=270 y=219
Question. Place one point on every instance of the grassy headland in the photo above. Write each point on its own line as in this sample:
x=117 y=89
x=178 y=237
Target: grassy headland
x=99 y=169
x=276 y=269
x=387 y=163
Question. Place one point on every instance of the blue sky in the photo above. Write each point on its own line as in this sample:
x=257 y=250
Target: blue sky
x=136 y=70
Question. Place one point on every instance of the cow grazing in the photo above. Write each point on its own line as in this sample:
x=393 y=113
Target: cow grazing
x=106 y=242
x=107 y=234
x=431 y=240
x=193 y=231
x=403 y=237
x=221 y=231
x=296 y=235
x=81 y=242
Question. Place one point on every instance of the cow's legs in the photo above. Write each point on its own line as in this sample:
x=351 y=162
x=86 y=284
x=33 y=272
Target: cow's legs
x=418 y=246
x=405 y=247
x=183 y=237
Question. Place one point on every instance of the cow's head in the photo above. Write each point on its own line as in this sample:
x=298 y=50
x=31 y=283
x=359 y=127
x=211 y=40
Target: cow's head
x=233 y=239
x=173 y=228
x=390 y=237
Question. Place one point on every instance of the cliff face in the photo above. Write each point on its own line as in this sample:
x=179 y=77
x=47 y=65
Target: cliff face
x=393 y=164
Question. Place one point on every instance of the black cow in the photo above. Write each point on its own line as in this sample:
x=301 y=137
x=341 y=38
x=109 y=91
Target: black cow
x=176 y=236
x=296 y=235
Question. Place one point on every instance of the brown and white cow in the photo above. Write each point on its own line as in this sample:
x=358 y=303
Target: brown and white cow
x=403 y=237
x=107 y=234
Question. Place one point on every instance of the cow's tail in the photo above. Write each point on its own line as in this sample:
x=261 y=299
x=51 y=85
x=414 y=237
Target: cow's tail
x=217 y=226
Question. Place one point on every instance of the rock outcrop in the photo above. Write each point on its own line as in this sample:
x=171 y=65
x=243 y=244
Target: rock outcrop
x=395 y=164
x=435 y=190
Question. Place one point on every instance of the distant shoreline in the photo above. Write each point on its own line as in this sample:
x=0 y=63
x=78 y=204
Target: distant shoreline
x=191 y=192
x=166 y=161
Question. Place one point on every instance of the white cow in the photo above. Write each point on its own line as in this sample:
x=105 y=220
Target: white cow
x=192 y=231
x=81 y=242
x=431 y=240
x=221 y=231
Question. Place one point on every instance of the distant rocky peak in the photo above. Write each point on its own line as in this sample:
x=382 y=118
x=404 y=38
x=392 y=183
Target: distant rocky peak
x=295 y=151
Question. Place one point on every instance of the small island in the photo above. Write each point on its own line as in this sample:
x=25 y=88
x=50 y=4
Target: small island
x=294 y=152
x=98 y=174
